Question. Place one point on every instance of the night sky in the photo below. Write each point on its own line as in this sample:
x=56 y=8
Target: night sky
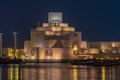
x=98 y=20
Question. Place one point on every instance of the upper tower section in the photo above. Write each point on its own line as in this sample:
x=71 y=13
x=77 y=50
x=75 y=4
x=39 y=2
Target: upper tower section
x=55 y=23
x=55 y=17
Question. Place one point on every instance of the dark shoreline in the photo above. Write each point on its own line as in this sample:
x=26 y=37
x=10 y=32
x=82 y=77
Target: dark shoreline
x=89 y=62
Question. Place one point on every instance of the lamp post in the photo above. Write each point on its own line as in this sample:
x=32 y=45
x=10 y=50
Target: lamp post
x=1 y=44
x=15 y=43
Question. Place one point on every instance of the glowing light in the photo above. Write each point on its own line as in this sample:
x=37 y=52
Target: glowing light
x=101 y=58
x=56 y=28
x=75 y=72
x=116 y=58
x=75 y=49
x=47 y=32
x=103 y=50
x=63 y=24
x=10 y=52
x=10 y=72
x=113 y=45
x=16 y=72
x=103 y=73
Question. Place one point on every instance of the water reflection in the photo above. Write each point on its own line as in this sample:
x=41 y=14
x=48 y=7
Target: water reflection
x=55 y=71
x=75 y=72
x=13 y=71
x=109 y=73
x=103 y=72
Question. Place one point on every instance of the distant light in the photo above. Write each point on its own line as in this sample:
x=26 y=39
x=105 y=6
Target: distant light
x=14 y=33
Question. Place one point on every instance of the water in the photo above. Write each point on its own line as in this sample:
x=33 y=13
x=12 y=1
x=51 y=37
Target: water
x=57 y=71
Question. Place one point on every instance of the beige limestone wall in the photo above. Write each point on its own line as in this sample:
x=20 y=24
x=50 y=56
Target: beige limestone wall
x=58 y=54
x=93 y=51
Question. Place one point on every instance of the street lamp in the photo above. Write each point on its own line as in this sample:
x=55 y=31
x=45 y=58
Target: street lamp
x=15 y=43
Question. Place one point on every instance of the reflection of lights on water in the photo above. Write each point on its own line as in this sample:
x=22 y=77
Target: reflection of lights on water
x=16 y=72
x=103 y=73
x=13 y=72
x=75 y=72
x=10 y=72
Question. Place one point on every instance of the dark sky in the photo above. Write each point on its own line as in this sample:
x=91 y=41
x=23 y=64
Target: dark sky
x=98 y=20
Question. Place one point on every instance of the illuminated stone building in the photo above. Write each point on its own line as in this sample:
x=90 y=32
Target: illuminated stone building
x=54 y=40
x=114 y=47
x=104 y=50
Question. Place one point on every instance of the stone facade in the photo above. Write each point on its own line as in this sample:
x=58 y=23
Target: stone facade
x=53 y=40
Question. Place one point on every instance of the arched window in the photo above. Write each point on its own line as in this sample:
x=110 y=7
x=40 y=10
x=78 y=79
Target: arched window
x=75 y=49
x=32 y=52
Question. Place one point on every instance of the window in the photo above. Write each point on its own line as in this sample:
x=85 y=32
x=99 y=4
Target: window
x=49 y=53
x=32 y=52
